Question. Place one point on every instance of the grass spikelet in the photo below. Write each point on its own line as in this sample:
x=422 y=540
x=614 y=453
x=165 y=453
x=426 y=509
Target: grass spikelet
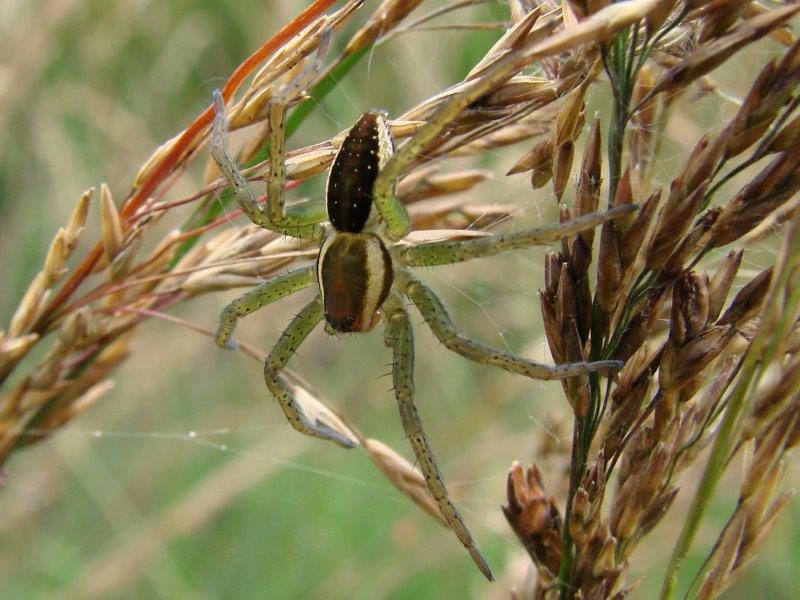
x=664 y=265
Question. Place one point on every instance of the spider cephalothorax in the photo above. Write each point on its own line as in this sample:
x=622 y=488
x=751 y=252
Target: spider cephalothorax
x=355 y=275
x=354 y=268
x=363 y=277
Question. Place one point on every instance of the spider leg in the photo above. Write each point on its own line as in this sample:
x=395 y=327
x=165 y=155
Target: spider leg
x=454 y=251
x=303 y=214
x=300 y=221
x=398 y=223
x=400 y=338
x=391 y=210
x=244 y=197
x=271 y=290
x=435 y=315
x=290 y=340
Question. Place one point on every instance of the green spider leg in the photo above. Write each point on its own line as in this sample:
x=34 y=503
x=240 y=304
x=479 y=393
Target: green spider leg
x=400 y=338
x=294 y=335
x=300 y=221
x=268 y=292
x=453 y=251
x=437 y=318
x=393 y=212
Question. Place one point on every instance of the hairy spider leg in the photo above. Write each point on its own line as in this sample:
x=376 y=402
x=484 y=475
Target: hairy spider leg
x=300 y=221
x=393 y=212
x=453 y=251
x=271 y=290
x=294 y=335
x=400 y=338
x=437 y=318
x=244 y=197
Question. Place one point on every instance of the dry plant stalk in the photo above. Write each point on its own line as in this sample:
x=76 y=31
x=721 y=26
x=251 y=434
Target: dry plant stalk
x=696 y=372
x=694 y=350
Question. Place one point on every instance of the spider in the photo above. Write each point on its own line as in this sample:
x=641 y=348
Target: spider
x=363 y=274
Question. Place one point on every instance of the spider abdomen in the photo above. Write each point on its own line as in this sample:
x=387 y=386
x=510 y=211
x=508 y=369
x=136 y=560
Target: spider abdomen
x=364 y=151
x=355 y=275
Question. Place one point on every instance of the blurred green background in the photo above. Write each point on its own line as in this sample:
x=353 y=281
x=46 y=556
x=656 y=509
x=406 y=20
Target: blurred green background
x=185 y=481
